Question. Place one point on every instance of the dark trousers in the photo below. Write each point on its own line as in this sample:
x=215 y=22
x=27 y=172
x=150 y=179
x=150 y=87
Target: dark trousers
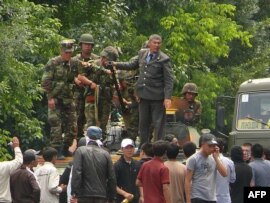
x=91 y=200
x=197 y=200
x=151 y=114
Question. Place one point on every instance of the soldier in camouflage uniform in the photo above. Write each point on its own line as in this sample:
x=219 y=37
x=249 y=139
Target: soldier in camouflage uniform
x=127 y=80
x=102 y=91
x=58 y=82
x=86 y=43
x=189 y=109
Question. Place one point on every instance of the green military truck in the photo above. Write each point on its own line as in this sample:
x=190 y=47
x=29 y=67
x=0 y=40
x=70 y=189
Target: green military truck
x=250 y=115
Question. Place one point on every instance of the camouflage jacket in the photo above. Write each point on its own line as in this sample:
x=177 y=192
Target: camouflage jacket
x=88 y=72
x=58 y=78
x=184 y=108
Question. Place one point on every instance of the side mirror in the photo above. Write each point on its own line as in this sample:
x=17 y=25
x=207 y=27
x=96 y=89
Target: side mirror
x=220 y=118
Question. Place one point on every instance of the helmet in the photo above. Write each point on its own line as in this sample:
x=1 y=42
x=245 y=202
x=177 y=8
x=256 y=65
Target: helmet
x=110 y=53
x=86 y=38
x=190 y=87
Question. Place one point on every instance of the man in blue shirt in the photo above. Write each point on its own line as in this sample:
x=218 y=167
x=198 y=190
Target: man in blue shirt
x=260 y=167
x=223 y=183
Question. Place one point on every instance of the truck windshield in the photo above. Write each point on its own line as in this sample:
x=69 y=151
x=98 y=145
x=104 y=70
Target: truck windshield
x=253 y=111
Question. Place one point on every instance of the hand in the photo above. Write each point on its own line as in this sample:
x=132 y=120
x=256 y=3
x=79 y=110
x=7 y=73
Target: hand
x=141 y=200
x=109 y=72
x=15 y=142
x=51 y=103
x=167 y=103
x=78 y=82
x=129 y=196
x=64 y=187
x=216 y=153
x=86 y=64
x=73 y=200
x=93 y=85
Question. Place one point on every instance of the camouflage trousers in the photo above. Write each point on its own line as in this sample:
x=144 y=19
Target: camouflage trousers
x=89 y=112
x=81 y=119
x=62 y=119
x=104 y=110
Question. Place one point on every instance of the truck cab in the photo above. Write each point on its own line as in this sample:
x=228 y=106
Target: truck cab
x=251 y=117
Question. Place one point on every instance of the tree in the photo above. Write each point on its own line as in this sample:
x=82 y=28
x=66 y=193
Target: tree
x=28 y=36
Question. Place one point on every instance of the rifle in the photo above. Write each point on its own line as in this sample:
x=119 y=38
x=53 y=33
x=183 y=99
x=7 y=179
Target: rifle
x=124 y=109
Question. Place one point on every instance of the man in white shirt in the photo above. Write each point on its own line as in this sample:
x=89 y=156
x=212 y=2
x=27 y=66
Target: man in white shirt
x=48 y=178
x=6 y=168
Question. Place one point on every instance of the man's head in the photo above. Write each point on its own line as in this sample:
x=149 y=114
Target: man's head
x=237 y=154
x=189 y=149
x=66 y=49
x=154 y=43
x=30 y=158
x=86 y=42
x=159 y=148
x=147 y=149
x=246 y=148
x=208 y=143
x=190 y=91
x=128 y=148
x=257 y=151
x=172 y=150
x=108 y=54
x=171 y=138
x=94 y=133
x=50 y=154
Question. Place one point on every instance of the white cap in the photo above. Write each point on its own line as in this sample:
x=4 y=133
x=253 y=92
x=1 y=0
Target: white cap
x=127 y=142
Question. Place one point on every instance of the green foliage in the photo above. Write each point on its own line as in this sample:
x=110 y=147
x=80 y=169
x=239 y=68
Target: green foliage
x=28 y=36
x=201 y=30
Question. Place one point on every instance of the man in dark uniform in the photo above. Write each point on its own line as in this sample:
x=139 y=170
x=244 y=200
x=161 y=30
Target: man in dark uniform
x=189 y=109
x=86 y=42
x=154 y=87
x=58 y=82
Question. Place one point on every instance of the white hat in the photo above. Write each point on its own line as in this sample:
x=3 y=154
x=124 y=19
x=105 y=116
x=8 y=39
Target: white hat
x=127 y=142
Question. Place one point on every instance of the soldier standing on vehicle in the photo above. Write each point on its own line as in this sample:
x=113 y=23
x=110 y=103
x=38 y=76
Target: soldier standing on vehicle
x=154 y=87
x=104 y=91
x=86 y=43
x=58 y=82
x=189 y=109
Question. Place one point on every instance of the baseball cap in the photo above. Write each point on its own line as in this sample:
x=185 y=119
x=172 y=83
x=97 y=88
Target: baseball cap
x=94 y=132
x=127 y=142
x=30 y=155
x=209 y=139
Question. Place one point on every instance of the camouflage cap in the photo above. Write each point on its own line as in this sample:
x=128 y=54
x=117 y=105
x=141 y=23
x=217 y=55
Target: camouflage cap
x=110 y=53
x=67 y=45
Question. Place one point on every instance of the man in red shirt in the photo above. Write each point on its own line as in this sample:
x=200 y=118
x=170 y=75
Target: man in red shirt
x=154 y=177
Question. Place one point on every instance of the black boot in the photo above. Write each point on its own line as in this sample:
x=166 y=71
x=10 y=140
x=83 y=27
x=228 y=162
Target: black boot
x=60 y=154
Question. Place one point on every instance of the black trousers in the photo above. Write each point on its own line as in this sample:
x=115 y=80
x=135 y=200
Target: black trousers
x=197 y=200
x=151 y=115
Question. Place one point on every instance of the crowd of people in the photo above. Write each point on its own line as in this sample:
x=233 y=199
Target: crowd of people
x=80 y=92
x=207 y=175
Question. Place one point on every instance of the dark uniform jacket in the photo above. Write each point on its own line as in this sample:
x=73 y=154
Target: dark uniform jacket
x=155 y=78
x=92 y=173
x=126 y=175
x=24 y=186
